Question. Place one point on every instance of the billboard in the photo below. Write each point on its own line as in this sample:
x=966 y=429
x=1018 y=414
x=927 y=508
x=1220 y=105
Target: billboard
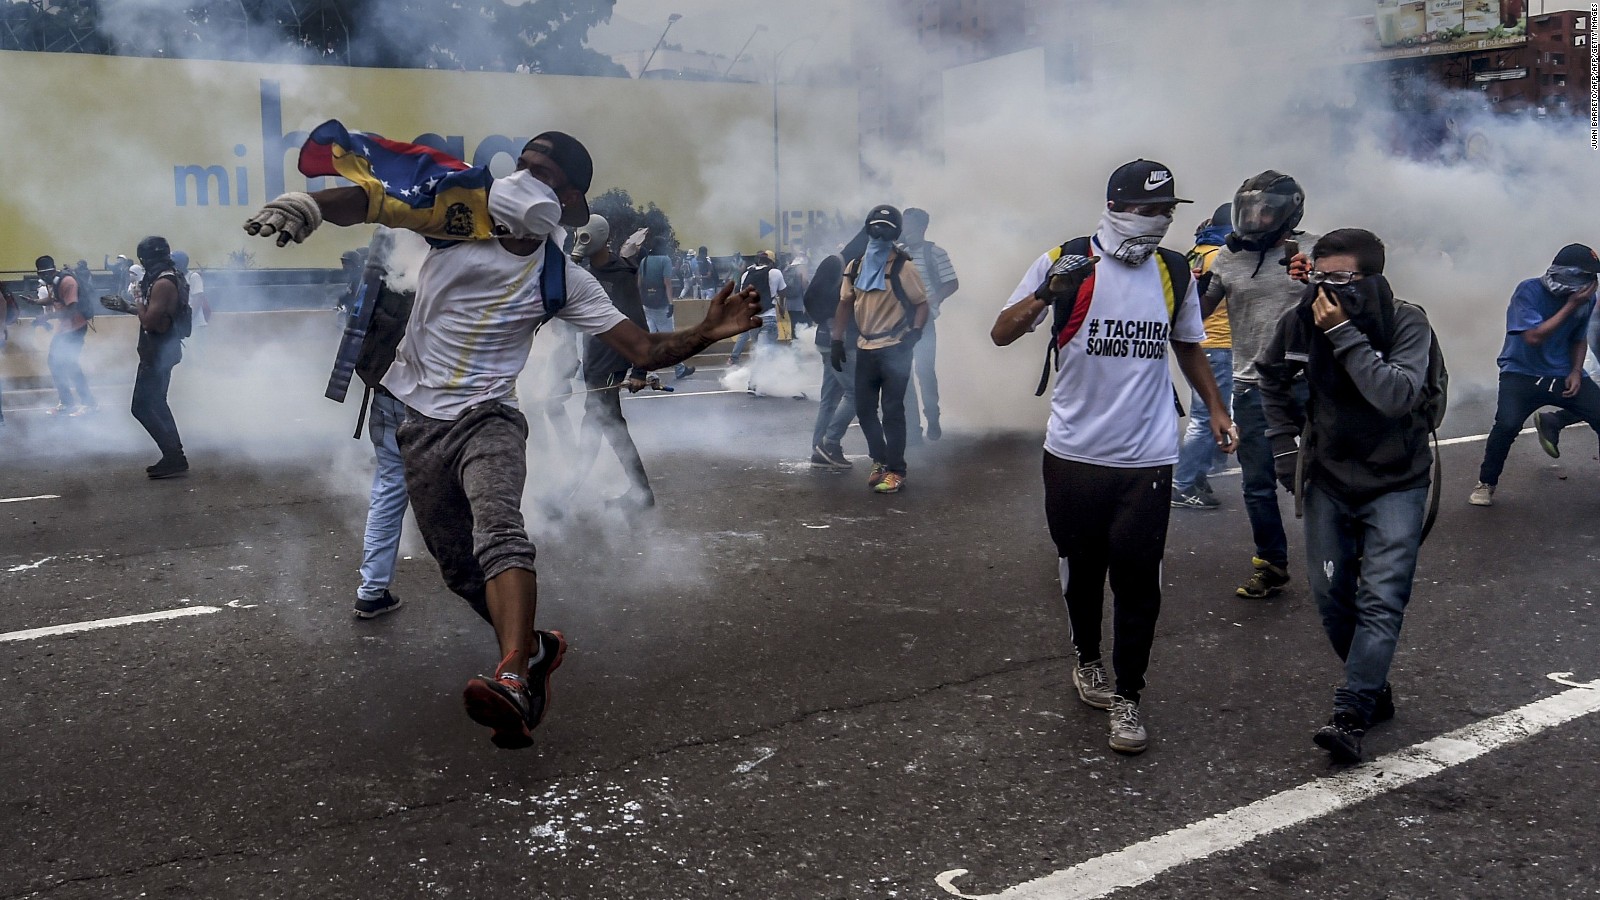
x=1401 y=29
x=105 y=150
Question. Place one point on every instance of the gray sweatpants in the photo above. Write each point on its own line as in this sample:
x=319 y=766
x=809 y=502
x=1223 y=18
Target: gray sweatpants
x=465 y=479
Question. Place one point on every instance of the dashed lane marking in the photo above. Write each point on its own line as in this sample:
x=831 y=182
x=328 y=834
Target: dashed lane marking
x=26 y=499
x=53 y=630
x=1147 y=860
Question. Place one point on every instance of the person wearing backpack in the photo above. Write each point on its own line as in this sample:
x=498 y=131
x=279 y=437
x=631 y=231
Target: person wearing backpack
x=1117 y=302
x=1360 y=464
x=838 y=395
x=1249 y=274
x=494 y=275
x=385 y=326
x=1541 y=362
x=165 y=319
x=68 y=319
x=764 y=277
x=940 y=280
x=882 y=299
x=655 y=289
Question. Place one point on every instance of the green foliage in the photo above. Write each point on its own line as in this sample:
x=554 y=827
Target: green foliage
x=626 y=218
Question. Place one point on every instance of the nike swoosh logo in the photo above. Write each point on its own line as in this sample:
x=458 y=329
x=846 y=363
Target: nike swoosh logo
x=1152 y=182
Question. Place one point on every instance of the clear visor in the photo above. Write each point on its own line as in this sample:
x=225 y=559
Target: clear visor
x=1261 y=212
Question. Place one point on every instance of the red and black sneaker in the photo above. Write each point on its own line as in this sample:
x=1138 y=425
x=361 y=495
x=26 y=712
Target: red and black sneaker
x=512 y=704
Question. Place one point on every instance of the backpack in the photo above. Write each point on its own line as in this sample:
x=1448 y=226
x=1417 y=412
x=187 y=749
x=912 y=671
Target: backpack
x=907 y=308
x=1175 y=277
x=1435 y=399
x=86 y=305
x=183 y=316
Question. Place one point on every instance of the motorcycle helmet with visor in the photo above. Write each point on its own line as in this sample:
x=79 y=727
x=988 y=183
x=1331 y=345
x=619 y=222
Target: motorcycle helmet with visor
x=1266 y=208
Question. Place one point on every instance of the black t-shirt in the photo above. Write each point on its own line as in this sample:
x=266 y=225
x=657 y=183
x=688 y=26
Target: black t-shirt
x=621 y=283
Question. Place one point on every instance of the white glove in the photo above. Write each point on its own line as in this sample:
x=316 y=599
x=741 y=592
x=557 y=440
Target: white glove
x=292 y=216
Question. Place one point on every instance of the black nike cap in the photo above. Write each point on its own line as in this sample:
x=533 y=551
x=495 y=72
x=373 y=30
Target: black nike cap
x=1143 y=181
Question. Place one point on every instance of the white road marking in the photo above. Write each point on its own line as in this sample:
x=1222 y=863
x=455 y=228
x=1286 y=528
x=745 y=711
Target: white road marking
x=763 y=754
x=26 y=499
x=1451 y=442
x=53 y=630
x=1148 y=859
x=657 y=395
x=27 y=566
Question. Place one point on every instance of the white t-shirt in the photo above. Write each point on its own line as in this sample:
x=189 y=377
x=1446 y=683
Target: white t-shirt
x=197 y=286
x=1112 y=403
x=471 y=326
x=776 y=285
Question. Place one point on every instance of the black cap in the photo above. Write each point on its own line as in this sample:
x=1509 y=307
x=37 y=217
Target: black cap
x=570 y=156
x=43 y=264
x=883 y=212
x=1578 y=256
x=1143 y=181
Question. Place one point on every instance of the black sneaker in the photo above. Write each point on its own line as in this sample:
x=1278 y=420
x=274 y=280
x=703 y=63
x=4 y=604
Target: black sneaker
x=512 y=704
x=934 y=431
x=823 y=457
x=169 y=467
x=1267 y=580
x=686 y=371
x=371 y=609
x=1341 y=737
x=1549 y=434
x=1383 y=707
x=1193 y=500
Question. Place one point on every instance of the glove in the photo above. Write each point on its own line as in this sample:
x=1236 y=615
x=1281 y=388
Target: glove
x=1285 y=459
x=116 y=302
x=1065 y=277
x=292 y=217
x=836 y=355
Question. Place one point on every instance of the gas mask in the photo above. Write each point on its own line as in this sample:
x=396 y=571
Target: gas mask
x=522 y=206
x=590 y=238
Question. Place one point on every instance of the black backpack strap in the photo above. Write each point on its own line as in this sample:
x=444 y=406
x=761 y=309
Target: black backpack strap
x=1435 y=489
x=1062 y=315
x=361 y=417
x=552 y=283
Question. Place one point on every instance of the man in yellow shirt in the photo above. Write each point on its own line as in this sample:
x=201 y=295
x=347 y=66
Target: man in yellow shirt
x=1199 y=454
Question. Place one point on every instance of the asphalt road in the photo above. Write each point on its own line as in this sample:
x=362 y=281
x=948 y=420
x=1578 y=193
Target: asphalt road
x=779 y=685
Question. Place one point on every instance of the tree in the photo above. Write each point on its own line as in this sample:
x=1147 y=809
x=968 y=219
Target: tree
x=625 y=218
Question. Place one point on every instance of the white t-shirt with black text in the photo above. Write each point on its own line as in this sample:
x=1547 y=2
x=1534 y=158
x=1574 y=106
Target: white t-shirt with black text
x=472 y=324
x=1113 y=403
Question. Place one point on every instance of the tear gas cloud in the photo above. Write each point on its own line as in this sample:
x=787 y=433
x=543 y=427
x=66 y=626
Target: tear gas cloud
x=1217 y=90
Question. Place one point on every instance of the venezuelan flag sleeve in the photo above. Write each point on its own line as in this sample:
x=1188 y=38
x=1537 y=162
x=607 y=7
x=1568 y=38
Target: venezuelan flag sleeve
x=408 y=186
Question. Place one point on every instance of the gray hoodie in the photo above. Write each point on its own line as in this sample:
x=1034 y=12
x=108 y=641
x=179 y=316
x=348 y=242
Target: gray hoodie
x=1256 y=299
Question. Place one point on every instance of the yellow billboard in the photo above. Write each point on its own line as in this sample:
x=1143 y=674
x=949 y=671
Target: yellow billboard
x=104 y=150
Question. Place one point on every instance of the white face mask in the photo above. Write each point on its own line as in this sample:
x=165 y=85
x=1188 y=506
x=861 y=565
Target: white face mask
x=1131 y=238
x=523 y=206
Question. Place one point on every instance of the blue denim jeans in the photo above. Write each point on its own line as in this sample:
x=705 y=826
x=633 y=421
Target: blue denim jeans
x=386 y=510
x=1260 y=482
x=1362 y=558
x=1199 y=451
x=923 y=359
x=882 y=375
x=662 y=321
x=765 y=336
x=838 y=399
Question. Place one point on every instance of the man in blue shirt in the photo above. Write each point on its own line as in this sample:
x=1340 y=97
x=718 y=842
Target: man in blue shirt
x=1541 y=363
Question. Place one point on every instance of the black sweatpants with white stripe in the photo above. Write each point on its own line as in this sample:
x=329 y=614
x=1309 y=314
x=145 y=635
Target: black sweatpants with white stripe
x=1110 y=522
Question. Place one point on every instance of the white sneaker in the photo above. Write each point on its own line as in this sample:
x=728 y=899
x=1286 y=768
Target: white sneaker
x=1482 y=495
x=1093 y=686
x=1127 y=732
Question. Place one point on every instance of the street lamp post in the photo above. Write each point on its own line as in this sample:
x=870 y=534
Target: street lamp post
x=778 y=226
x=670 y=19
x=735 y=61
